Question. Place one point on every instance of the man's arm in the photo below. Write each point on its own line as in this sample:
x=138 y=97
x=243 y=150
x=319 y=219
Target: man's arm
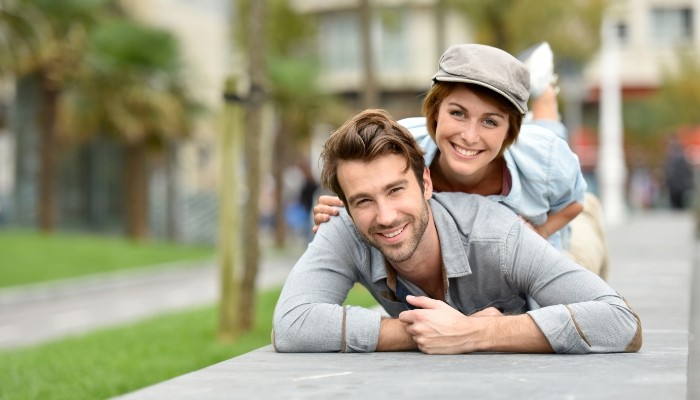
x=309 y=315
x=580 y=313
x=438 y=328
x=393 y=336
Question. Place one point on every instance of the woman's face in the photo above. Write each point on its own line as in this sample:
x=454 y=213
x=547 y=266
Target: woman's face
x=470 y=131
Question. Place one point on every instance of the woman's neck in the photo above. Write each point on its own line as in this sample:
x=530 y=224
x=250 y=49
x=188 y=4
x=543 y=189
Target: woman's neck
x=487 y=181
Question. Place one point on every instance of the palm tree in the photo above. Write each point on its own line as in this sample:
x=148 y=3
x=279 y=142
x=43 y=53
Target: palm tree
x=23 y=33
x=43 y=41
x=130 y=88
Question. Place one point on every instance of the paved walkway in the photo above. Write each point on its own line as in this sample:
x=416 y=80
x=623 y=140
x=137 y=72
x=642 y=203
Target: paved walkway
x=36 y=313
x=653 y=256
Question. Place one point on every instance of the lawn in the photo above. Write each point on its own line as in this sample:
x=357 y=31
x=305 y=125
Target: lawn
x=30 y=257
x=116 y=361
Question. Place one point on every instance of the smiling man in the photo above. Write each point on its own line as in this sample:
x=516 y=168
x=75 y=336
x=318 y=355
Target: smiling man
x=451 y=270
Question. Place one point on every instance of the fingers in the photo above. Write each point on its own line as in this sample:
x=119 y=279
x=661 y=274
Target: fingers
x=320 y=218
x=423 y=302
x=327 y=206
x=332 y=201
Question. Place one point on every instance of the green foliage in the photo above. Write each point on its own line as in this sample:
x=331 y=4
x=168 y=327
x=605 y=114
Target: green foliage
x=66 y=256
x=677 y=101
x=286 y=32
x=120 y=360
x=571 y=27
x=648 y=122
x=116 y=361
x=123 y=44
x=130 y=87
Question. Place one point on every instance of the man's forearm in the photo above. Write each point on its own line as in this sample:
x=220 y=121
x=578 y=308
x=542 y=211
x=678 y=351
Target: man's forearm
x=393 y=336
x=515 y=334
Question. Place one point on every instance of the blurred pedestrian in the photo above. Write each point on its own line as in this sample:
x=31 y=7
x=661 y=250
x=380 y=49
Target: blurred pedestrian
x=678 y=174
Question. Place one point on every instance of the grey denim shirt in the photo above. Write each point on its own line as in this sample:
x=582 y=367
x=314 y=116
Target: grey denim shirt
x=490 y=258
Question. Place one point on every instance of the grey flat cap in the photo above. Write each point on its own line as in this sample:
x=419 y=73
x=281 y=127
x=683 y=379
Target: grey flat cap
x=487 y=66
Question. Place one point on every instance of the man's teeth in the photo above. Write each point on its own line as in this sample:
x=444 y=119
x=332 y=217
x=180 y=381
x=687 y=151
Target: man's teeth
x=393 y=234
x=465 y=152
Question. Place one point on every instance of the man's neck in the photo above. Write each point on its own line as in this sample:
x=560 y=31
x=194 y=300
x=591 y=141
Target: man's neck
x=424 y=268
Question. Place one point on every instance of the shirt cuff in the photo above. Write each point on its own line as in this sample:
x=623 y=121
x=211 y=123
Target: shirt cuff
x=361 y=329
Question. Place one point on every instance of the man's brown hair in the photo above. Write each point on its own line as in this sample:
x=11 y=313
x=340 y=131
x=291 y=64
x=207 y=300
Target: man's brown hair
x=365 y=137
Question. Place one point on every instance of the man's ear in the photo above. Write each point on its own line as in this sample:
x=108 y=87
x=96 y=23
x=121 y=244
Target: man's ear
x=427 y=184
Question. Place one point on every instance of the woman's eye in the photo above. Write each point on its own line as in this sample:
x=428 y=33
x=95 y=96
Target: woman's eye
x=491 y=122
x=457 y=113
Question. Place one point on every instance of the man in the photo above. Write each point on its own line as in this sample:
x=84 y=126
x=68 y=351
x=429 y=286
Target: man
x=453 y=271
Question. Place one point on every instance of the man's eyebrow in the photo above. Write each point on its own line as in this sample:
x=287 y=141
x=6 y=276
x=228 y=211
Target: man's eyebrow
x=386 y=187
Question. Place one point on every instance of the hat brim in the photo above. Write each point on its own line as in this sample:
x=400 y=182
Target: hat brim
x=486 y=85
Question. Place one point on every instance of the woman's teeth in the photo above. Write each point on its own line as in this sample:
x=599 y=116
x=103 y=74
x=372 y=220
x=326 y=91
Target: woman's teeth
x=465 y=152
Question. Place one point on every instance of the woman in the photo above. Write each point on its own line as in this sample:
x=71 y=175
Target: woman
x=474 y=143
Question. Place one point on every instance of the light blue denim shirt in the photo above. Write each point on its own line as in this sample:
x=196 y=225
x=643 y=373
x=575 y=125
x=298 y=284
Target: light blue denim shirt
x=546 y=175
x=490 y=259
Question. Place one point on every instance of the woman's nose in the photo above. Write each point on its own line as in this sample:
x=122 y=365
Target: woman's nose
x=469 y=133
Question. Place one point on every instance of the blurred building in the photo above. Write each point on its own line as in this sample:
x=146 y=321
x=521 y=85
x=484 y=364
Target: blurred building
x=408 y=37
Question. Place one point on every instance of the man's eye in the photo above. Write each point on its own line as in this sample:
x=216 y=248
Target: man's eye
x=361 y=202
x=396 y=189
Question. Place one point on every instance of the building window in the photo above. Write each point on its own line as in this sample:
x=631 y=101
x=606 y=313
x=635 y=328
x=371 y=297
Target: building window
x=622 y=34
x=671 y=26
x=390 y=46
x=340 y=41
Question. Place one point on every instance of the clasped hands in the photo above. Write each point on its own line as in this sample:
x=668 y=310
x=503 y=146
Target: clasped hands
x=437 y=328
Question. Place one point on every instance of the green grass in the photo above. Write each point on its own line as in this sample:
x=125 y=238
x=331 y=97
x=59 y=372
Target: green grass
x=115 y=361
x=30 y=257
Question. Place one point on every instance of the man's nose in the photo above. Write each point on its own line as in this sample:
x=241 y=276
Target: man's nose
x=386 y=213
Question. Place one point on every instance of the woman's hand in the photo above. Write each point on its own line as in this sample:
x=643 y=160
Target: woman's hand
x=327 y=206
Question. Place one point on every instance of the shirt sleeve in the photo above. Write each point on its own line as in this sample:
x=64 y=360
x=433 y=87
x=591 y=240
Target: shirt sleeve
x=309 y=315
x=566 y=182
x=580 y=313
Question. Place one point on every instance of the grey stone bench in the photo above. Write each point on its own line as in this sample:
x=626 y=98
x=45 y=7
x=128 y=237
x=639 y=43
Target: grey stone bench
x=652 y=267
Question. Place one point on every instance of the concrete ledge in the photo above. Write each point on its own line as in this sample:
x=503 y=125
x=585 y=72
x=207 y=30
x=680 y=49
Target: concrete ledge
x=658 y=372
x=652 y=263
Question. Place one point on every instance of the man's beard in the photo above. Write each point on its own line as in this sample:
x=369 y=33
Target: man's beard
x=402 y=251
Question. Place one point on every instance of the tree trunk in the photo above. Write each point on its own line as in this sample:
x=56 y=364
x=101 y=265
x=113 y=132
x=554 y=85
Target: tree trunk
x=253 y=134
x=136 y=196
x=370 y=92
x=172 y=201
x=47 y=200
x=229 y=246
x=279 y=163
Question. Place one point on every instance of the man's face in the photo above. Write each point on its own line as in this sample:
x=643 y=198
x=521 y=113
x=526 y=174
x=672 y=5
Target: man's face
x=386 y=204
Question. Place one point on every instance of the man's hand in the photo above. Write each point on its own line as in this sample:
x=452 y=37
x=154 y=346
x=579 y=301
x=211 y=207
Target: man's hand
x=438 y=328
x=327 y=206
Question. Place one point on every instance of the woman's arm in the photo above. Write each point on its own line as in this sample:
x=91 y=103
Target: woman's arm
x=559 y=219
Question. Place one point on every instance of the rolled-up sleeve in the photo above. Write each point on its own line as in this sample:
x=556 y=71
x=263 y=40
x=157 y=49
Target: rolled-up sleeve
x=580 y=313
x=309 y=315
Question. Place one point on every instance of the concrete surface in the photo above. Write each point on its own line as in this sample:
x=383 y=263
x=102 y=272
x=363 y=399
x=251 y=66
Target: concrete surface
x=652 y=256
x=37 y=313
